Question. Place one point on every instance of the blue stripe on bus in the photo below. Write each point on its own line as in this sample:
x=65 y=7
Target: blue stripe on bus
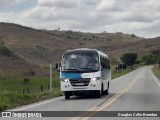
x=71 y=75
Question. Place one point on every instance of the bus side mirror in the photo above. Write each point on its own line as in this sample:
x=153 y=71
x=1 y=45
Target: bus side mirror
x=56 y=66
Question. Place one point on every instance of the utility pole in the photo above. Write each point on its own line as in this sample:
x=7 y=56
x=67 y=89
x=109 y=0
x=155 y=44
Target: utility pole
x=159 y=59
x=51 y=77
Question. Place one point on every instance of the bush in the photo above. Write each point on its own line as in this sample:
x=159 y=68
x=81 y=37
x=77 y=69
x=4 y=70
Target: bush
x=109 y=39
x=129 y=58
x=29 y=73
x=5 y=51
x=40 y=47
x=80 y=44
x=149 y=59
x=133 y=35
x=69 y=37
x=114 y=61
x=156 y=52
x=26 y=80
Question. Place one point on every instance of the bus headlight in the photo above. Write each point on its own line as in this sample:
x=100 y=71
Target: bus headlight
x=95 y=79
x=65 y=80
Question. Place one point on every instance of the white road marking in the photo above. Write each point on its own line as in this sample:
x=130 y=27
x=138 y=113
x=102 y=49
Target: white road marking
x=34 y=105
x=156 y=79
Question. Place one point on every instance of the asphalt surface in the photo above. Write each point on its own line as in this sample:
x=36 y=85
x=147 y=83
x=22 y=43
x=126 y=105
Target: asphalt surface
x=137 y=91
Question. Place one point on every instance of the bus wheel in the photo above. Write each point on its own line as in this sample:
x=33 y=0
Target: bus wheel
x=107 y=91
x=102 y=92
x=67 y=95
x=98 y=94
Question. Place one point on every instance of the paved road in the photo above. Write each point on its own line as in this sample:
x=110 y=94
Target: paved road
x=136 y=91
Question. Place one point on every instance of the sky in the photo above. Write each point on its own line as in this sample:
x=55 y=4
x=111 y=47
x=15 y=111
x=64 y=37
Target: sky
x=139 y=17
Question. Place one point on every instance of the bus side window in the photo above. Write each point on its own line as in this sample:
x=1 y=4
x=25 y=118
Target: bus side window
x=102 y=66
x=103 y=63
x=108 y=64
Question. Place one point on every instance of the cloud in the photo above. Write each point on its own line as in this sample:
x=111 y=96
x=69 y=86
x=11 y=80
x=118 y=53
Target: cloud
x=59 y=3
x=140 y=17
x=9 y=3
x=108 y=5
x=8 y=17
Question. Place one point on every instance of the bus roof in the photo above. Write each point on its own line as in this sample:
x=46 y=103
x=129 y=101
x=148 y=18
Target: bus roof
x=86 y=50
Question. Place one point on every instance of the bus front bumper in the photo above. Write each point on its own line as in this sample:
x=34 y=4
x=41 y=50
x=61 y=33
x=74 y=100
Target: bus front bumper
x=66 y=86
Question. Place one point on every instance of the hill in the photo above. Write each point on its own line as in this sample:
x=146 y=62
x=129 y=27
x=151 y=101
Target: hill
x=32 y=45
x=43 y=47
x=10 y=63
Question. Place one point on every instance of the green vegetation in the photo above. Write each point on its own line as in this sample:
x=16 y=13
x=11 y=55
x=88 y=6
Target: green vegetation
x=133 y=35
x=1 y=42
x=125 y=71
x=156 y=52
x=148 y=45
x=5 y=51
x=109 y=39
x=149 y=59
x=156 y=71
x=129 y=58
x=114 y=61
x=9 y=99
x=15 y=92
x=41 y=47
x=115 y=75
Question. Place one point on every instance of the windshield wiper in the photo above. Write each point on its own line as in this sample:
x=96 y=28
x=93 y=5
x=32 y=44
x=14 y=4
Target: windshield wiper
x=71 y=69
x=87 y=68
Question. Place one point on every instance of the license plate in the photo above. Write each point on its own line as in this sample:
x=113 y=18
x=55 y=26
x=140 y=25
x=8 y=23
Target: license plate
x=79 y=83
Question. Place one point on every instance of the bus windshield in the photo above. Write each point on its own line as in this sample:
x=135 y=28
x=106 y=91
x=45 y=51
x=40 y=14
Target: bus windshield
x=80 y=62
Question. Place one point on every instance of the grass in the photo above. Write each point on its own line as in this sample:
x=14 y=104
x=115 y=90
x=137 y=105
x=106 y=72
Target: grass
x=115 y=75
x=34 y=84
x=9 y=99
x=14 y=92
x=156 y=71
x=120 y=73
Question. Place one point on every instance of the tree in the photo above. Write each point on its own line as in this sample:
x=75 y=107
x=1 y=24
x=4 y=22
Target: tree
x=58 y=28
x=129 y=58
x=149 y=59
x=159 y=62
x=156 y=52
x=133 y=35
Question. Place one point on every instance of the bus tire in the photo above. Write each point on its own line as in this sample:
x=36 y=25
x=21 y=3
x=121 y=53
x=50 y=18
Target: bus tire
x=67 y=95
x=102 y=92
x=98 y=93
x=107 y=90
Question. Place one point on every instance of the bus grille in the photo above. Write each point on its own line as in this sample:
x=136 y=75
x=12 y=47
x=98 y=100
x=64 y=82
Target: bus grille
x=80 y=81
